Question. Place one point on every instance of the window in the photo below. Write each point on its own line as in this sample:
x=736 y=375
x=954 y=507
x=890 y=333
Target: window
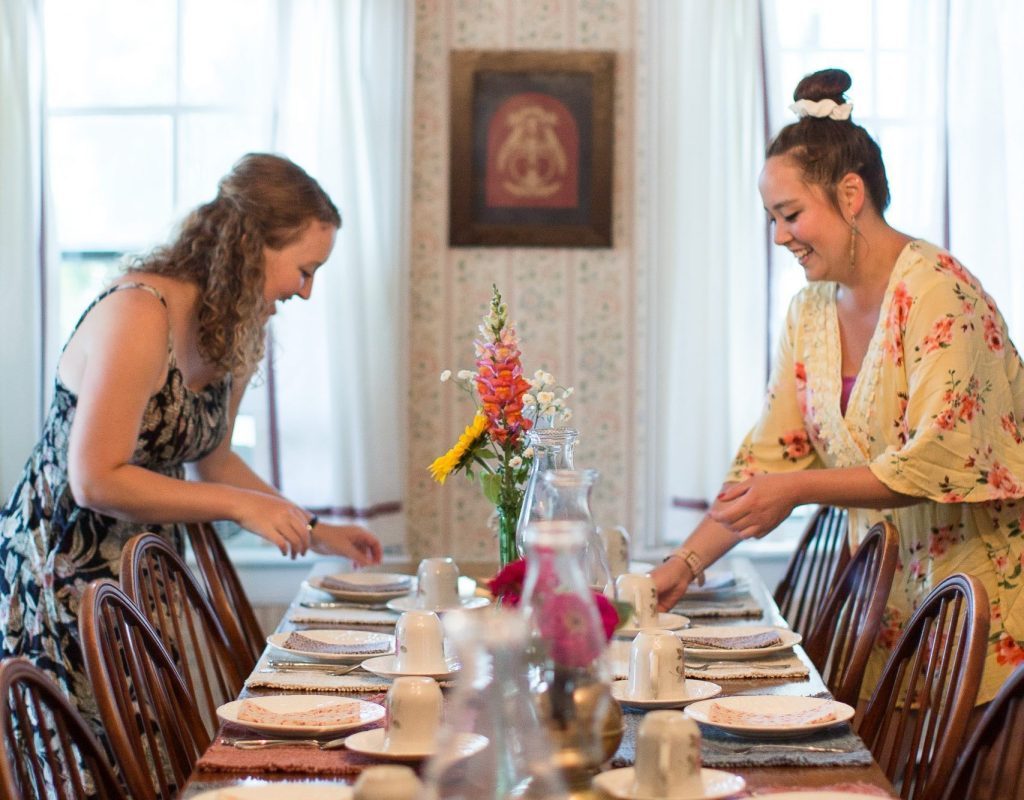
x=149 y=104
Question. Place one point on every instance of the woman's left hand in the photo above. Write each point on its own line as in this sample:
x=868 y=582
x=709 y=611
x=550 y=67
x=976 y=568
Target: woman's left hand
x=756 y=506
x=351 y=541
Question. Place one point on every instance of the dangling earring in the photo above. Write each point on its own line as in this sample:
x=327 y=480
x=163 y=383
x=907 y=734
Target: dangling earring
x=854 y=230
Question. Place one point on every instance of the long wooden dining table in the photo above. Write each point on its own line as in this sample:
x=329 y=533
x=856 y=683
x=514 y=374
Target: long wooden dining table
x=868 y=780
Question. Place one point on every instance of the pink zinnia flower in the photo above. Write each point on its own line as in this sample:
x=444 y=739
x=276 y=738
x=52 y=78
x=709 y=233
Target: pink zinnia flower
x=571 y=626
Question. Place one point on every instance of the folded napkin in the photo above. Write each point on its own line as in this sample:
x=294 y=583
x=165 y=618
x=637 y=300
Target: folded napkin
x=714 y=671
x=743 y=605
x=341 y=584
x=742 y=641
x=339 y=712
x=317 y=682
x=298 y=641
x=341 y=616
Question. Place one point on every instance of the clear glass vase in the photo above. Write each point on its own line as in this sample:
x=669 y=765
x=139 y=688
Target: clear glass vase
x=492 y=647
x=568 y=673
x=567 y=497
x=552 y=449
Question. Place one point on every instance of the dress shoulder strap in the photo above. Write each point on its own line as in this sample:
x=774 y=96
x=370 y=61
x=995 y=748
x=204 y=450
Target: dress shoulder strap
x=116 y=288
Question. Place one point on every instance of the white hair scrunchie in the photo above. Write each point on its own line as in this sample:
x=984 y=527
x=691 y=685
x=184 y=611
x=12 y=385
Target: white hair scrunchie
x=821 y=109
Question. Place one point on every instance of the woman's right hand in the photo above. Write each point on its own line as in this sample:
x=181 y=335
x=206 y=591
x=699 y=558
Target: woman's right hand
x=279 y=521
x=671 y=578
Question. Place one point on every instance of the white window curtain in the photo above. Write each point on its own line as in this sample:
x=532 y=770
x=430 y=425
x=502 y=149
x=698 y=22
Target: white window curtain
x=337 y=378
x=22 y=242
x=986 y=149
x=707 y=250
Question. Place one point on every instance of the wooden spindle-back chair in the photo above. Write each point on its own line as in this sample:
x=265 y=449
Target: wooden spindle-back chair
x=991 y=766
x=163 y=588
x=819 y=557
x=151 y=720
x=226 y=593
x=851 y=615
x=47 y=749
x=915 y=722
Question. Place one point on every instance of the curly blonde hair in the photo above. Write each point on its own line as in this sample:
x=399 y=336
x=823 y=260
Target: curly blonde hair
x=264 y=201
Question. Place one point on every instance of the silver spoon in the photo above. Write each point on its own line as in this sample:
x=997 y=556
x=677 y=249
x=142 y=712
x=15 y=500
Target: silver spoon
x=259 y=744
x=810 y=748
x=311 y=666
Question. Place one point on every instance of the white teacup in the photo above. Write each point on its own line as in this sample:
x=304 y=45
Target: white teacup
x=667 y=757
x=657 y=668
x=387 y=782
x=437 y=584
x=419 y=643
x=640 y=592
x=616 y=548
x=414 y=714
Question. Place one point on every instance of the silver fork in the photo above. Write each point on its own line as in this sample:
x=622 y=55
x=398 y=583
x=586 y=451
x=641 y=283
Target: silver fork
x=334 y=670
x=770 y=665
x=809 y=748
x=259 y=744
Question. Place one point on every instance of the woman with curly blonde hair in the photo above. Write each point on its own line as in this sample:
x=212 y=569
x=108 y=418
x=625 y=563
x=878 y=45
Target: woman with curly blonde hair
x=150 y=380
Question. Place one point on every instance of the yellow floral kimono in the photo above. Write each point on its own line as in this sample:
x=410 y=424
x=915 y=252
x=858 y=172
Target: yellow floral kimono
x=935 y=413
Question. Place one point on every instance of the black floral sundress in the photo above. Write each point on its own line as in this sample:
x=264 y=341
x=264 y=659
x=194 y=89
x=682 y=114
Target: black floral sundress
x=51 y=548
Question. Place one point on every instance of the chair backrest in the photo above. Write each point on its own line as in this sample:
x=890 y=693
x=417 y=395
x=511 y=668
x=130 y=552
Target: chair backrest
x=851 y=615
x=226 y=593
x=991 y=766
x=151 y=720
x=47 y=748
x=820 y=556
x=163 y=588
x=915 y=721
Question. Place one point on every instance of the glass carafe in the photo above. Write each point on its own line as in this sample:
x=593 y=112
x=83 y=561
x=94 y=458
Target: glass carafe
x=567 y=497
x=491 y=700
x=552 y=449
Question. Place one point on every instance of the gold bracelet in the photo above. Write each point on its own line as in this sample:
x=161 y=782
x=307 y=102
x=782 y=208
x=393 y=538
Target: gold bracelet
x=692 y=561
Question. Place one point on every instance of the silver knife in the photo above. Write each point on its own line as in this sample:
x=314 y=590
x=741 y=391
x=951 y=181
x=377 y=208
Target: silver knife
x=328 y=604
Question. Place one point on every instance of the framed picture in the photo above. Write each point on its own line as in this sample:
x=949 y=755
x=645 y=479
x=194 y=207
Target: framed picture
x=531 y=148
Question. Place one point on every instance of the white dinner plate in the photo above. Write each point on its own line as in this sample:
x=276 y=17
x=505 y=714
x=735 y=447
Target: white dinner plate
x=281 y=790
x=411 y=603
x=770 y=704
x=666 y=622
x=364 y=644
x=640 y=567
x=717 y=784
x=371 y=743
x=386 y=667
x=369 y=595
x=788 y=637
x=297 y=703
x=693 y=690
x=716 y=582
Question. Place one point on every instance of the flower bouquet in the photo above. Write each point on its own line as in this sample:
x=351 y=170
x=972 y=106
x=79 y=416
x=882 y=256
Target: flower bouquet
x=493 y=446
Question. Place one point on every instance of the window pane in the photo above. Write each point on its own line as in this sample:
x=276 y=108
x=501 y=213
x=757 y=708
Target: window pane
x=227 y=53
x=111 y=180
x=80 y=280
x=109 y=52
x=208 y=145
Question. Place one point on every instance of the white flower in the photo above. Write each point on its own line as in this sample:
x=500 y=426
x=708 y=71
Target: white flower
x=567 y=415
x=466 y=374
x=446 y=375
x=549 y=378
x=528 y=452
x=568 y=392
x=529 y=399
x=539 y=375
x=557 y=402
x=515 y=461
x=545 y=398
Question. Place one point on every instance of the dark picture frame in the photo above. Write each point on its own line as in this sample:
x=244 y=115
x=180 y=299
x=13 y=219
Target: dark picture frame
x=531 y=148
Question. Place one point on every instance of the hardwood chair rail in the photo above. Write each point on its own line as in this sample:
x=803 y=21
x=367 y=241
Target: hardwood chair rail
x=917 y=717
x=154 y=727
x=161 y=585
x=48 y=750
x=820 y=555
x=851 y=615
x=226 y=593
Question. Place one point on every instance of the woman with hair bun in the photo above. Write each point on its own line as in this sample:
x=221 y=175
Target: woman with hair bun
x=151 y=379
x=896 y=391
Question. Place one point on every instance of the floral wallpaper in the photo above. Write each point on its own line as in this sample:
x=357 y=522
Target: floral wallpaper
x=578 y=311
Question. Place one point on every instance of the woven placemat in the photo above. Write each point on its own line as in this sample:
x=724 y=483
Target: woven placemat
x=341 y=616
x=317 y=682
x=740 y=606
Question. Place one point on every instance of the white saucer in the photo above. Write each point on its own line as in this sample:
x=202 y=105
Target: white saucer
x=717 y=784
x=667 y=621
x=296 y=703
x=770 y=704
x=281 y=790
x=694 y=690
x=375 y=644
x=411 y=603
x=369 y=596
x=385 y=667
x=788 y=639
x=371 y=743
